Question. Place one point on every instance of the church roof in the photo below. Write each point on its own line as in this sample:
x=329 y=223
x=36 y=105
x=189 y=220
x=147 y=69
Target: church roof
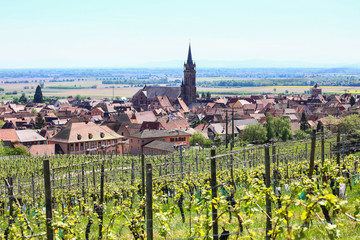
x=151 y=92
x=189 y=59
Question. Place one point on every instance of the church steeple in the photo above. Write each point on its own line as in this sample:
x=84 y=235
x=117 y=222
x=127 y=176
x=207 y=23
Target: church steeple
x=189 y=59
x=188 y=86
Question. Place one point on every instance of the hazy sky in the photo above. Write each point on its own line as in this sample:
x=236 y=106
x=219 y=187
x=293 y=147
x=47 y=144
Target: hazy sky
x=105 y=33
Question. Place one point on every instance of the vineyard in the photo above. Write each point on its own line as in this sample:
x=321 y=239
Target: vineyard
x=302 y=189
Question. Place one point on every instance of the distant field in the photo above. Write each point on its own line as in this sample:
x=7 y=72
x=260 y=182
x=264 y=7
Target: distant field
x=105 y=90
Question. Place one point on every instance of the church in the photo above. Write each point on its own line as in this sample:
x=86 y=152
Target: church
x=187 y=91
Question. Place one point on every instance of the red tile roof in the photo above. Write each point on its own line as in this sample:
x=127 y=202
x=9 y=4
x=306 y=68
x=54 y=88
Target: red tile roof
x=9 y=135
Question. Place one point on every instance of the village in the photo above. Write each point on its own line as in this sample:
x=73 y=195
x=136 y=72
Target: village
x=159 y=125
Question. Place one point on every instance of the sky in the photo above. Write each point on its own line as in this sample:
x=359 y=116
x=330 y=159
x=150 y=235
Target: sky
x=135 y=33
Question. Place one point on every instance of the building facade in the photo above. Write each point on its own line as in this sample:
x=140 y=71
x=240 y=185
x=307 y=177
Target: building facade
x=88 y=138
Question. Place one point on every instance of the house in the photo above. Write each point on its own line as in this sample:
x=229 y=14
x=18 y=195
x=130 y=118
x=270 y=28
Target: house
x=157 y=147
x=140 y=139
x=42 y=150
x=88 y=138
x=140 y=117
x=9 y=135
x=30 y=137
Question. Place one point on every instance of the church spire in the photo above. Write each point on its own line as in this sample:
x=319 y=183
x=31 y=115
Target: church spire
x=189 y=60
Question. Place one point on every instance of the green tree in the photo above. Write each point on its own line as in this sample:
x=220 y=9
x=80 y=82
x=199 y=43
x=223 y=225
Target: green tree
x=39 y=122
x=349 y=124
x=300 y=134
x=280 y=124
x=7 y=151
x=23 y=99
x=304 y=125
x=198 y=139
x=208 y=95
x=352 y=101
x=203 y=95
x=286 y=134
x=269 y=127
x=78 y=97
x=20 y=150
x=2 y=123
x=254 y=133
x=38 y=97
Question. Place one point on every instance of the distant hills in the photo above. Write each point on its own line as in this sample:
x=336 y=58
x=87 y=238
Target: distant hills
x=252 y=63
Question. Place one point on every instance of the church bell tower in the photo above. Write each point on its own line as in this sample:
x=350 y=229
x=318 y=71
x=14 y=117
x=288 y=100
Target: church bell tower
x=188 y=86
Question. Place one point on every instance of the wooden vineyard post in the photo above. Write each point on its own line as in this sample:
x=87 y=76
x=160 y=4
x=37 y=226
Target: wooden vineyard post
x=181 y=162
x=322 y=146
x=312 y=153
x=47 y=183
x=33 y=188
x=173 y=164
x=149 y=210
x=101 y=209
x=232 y=131
x=143 y=174
x=343 y=147
x=197 y=165
x=94 y=180
x=214 y=194
x=338 y=150
x=83 y=185
x=132 y=171
x=232 y=172
x=226 y=129
x=11 y=204
x=268 y=185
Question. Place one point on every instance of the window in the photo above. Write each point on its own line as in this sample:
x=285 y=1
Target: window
x=77 y=148
x=90 y=136
x=82 y=147
x=86 y=145
x=171 y=139
x=102 y=135
x=71 y=148
x=113 y=152
x=114 y=141
x=109 y=142
x=132 y=148
x=131 y=140
x=78 y=137
x=99 y=144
